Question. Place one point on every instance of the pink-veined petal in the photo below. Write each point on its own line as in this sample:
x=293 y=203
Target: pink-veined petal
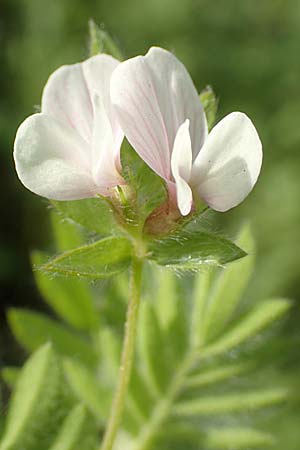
x=51 y=159
x=98 y=71
x=181 y=164
x=66 y=98
x=153 y=95
x=69 y=97
x=105 y=171
x=229 y=163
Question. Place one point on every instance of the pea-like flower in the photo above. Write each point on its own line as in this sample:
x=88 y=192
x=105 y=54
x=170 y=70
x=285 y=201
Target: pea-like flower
x=160 y=113
x=71 y=150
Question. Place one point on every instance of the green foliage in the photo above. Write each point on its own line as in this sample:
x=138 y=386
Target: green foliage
x=256 y=320
x=228 y=289
x=88 y=389
x=101 y=259
x=33 y=329
x=233 y=403
x=210 y=105
x=95 y=214
x=191 y=250
x=71 y=299
x=78 y=431
x=40 y=401
x=150 y=343
x=238 y=438
x=196 y=381
x=66 y=235
x=191 y=379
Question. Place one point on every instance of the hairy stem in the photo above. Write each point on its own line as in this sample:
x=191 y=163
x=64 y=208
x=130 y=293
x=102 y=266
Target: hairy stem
x=127 y=356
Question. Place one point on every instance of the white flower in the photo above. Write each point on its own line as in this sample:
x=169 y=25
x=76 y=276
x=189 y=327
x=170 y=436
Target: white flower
x=71 y=150
x=161 y=115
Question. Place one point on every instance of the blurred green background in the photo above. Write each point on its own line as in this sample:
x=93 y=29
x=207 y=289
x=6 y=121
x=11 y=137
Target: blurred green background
x=247 y=50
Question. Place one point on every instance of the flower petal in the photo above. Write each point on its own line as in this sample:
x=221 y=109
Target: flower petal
x=51 y=159
x=105 y=168
x=181 y=164
x=153 y=95
x=70 y=97
x=97 y=72
x=66 y=98
x=229 y=163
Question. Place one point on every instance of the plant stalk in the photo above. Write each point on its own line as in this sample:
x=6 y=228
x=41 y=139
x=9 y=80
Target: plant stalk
x=127 y=356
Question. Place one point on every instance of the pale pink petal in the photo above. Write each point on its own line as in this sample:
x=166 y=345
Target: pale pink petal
x=181 y=164
x=153 y=95
x=51 y=159
x=69 y=97
x=229 y=163
x=105 y=171
x=97 y=72
x=66 y=97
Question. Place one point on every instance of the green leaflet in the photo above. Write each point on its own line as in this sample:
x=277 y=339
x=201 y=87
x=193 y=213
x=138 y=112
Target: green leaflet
x=210 y=105
x=71 y=299
x=94 y=214
x=148 y=189
x=192 y=250
x=238 y=438
x=78 y=431
x=112 y=301
x=110 y=355
x=150 y=341
x=140 y=397
x=88 y=389
x=67 y=234
x=215 y=375
x=228 y=289
x=203 y=283
x=255 y=321
x=39 y=402
x=165 y=288
x=231 y=403
x=101 y=259
x=33 y=329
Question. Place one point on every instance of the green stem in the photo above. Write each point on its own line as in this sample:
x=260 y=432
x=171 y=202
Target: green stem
x=127 y=356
